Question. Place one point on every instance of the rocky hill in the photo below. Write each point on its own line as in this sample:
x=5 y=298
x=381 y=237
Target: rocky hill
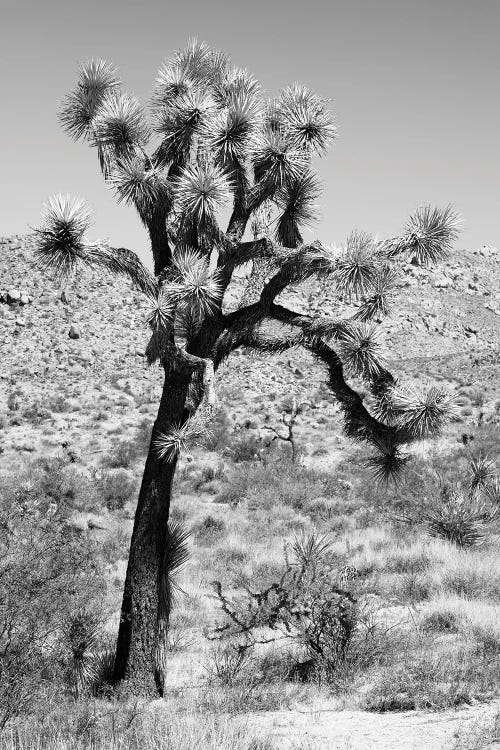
x=72 y=367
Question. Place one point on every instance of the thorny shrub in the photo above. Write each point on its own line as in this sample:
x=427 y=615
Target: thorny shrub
x=302 y=605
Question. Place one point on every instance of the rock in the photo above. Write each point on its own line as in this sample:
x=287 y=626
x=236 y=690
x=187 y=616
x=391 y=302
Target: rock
x=13 y=296
x=24 y=299
x=74 y=332
x=442 y=283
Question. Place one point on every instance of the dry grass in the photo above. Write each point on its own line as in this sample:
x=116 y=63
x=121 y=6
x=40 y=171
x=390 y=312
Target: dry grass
x=427 y=634
x=104 y=726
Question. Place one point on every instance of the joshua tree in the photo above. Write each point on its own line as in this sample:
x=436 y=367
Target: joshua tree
x=215 y=145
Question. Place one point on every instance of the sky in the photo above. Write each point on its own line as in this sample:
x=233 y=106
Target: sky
x=414 y=86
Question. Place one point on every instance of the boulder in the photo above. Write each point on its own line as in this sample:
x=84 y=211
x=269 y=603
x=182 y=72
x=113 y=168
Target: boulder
x=13 y=296
x=74 y=332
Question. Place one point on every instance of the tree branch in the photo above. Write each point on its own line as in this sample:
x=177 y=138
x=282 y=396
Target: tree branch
x=120 y=260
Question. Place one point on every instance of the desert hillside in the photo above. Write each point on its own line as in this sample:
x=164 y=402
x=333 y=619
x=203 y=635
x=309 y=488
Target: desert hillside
x=445 y=327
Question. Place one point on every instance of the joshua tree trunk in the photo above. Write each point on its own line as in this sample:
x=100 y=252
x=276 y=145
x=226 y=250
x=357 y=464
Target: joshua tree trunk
x=139 y=655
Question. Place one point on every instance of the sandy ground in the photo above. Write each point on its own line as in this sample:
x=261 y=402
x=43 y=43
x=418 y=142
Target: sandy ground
x=321 y=728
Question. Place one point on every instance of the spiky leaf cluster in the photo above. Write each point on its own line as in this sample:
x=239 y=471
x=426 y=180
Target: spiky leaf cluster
x=97 y=80
x=138 y=184
x=182 y=438
x=361 y=350
x=191 y=284
x=428 y=235
x=296 y=205
x=60 y=238
x=377 y=303
x=200 y=191
x=176 y=556
x=482 y=471
x=306 y=119
x=357 y=267
x=461 y=519
x=422 y=416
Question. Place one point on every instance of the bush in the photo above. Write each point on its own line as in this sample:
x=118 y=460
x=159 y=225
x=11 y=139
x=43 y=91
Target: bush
x=143 y=436
x=51 y=481
x=431 y=680
x=46 y=572
x=58 y=404
x=266 y=484
x=464 y=511
x=302 y=606
x=36 y=413
x=461 y=519
x=245 y=448
x=220 y=431
x=209 y=529
x=122 y=456
x=116 y=488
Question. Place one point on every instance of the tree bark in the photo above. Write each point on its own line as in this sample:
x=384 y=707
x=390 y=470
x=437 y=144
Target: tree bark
x=139 y=653
x=162 y=254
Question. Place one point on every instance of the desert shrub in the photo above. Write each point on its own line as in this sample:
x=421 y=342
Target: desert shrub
x=15 y=400
x=182 y=625
x=244 y=448
x=57 y=403
x=471 y=579
x=209 y=474
x=81 y=636
x=228 y=561
x=143 y=436
x=116 y=488
x=220 y=431
x=114 y=548
x=268 y=483
x=413 y=587
x=225 y=663
x=408 y=560
x=463 y=513
x=302 y=606
x=209 y=529
x=445 y=620
x=96 y=725
x=36 y=413
x=239 y=682
x=487 y=636
x=122 y=455
x=428 y=679
x=460 y=519
x=54 y=481
x=46 y=572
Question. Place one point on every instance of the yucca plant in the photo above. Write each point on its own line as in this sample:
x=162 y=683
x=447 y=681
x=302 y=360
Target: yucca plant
x=81 y=633
x=211 y=144
x=464 y=514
